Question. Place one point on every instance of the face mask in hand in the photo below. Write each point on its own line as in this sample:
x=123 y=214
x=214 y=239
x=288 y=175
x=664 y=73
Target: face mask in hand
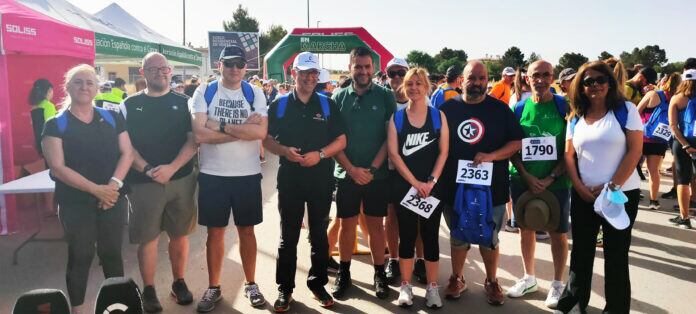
x=617 y=197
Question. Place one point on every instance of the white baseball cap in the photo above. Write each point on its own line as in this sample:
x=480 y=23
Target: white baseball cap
x=508 y=71
x=324 y=76
x=397 y=61
x=615 y=214
x=689 y=75
x=305 y=61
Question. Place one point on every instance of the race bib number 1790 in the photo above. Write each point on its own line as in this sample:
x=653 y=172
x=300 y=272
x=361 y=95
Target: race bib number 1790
x=469 y=173
x=539 y=148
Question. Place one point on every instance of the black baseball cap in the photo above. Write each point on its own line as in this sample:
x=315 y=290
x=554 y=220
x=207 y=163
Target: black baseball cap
x=232 y=52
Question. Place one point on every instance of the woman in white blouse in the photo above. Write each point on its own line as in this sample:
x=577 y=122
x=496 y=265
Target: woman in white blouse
x=604 y=143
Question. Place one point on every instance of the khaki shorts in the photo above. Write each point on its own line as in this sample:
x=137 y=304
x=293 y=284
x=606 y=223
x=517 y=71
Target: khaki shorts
x=155 y=208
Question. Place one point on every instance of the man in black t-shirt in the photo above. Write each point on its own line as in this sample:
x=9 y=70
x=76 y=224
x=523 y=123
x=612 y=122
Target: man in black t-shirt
x=162 y=181
x=483 y=130
x=305 y=136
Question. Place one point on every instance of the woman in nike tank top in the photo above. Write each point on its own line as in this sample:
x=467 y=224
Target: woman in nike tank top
x=418 y=149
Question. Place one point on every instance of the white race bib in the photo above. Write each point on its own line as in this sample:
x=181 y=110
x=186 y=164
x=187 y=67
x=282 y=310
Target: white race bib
x=110 y=106
x=421 y=206
x=662 y=131
x=539 y=148
x=470 y=174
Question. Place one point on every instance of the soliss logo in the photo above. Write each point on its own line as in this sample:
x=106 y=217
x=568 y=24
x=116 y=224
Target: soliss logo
x=11 y=28
x=83 y=41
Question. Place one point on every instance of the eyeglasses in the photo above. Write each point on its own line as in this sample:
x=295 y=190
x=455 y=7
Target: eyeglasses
x=393 y=74
x=357 y=103
x=312 y=72
x=239 y=64
x=545 y=75
x=599 y=80
x=154 y=70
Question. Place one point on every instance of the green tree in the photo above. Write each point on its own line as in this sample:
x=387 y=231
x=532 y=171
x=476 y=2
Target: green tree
x=447 y=54
x=572 y=60
x=271 y=37
x=669 y=68
x=649 y=56
x=513 y=57
x=604 y=55
x=533 y=57
x=445 y=64
x=495 y=69
x=421 y=59
x=241 y=22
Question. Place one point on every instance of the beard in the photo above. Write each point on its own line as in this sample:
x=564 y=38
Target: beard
x=475 y=91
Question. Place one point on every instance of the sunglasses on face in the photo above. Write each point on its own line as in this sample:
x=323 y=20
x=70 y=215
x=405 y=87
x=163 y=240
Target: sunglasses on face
x=154 y=70
x=234 y=63
x=393 y=74
x=599 y=80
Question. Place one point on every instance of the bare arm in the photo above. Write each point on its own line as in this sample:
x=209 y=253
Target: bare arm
x=509 y=149
x=163 y=173
x=444 y=147
x=206 y=135
x=677 y=103
x=255 y=128
x=127 y=156
x=650 y=100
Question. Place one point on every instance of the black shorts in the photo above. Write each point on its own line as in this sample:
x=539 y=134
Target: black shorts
x=217 y=196
x=683 y=164
x=654 y=149
x=374 y=197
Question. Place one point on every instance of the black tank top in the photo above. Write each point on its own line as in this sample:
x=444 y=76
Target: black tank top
x=419 y=147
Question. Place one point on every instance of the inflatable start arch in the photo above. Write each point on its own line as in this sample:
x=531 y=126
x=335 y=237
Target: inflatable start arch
x=321 y=40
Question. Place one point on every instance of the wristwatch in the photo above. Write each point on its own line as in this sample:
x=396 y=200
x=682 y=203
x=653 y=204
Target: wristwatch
x=222 y=126
x=147 y=168
x=614 y=187
x=686 y=146
x=553 y=175
x=433 y=179
x=372 y=169
x=321 y=154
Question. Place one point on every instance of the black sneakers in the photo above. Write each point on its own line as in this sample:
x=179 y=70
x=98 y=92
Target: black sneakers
x=419 y=271
x=380 y=285
x=251 y=292
x=282 y=304
x=341 y=284
x=393 y=271
x=181 y=293
x=150 y=302
x=210 y=297
x=670 y=195
x=681 y=222
x=654 y=205
x=324 y=298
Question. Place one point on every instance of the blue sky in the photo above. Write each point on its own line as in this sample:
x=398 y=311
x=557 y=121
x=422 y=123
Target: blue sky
x=549 y=28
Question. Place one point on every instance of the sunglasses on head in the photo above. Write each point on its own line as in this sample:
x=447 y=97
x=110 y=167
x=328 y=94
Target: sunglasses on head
x=239 y=64
x=600 y=80
x=393 y=74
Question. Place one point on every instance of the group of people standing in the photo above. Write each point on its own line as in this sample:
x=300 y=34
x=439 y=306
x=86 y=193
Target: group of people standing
x=388 y=143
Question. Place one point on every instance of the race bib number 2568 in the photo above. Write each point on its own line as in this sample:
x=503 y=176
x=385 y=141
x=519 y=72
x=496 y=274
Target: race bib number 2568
x=469 y=173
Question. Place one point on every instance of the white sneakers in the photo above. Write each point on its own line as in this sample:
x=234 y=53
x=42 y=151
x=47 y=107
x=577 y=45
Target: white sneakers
x=405 y=295
x=527 y=284
x=432 y=296
x=554 y=294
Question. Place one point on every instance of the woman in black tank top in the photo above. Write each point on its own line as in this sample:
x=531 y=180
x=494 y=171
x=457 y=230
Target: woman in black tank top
x=418 y=142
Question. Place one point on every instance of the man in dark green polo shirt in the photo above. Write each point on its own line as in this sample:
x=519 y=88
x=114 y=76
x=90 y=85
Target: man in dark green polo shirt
x=305 y=129
x=362 y=171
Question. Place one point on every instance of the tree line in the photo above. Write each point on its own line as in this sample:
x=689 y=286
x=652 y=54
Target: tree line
x=649 y=56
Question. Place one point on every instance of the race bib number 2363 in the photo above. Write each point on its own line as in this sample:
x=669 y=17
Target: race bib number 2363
x=469 y=173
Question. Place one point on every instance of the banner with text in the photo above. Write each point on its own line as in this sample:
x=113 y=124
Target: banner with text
x=249 y=41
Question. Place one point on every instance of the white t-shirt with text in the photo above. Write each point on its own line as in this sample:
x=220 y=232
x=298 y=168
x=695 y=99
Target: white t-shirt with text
x=601 y=146
x=233 y=159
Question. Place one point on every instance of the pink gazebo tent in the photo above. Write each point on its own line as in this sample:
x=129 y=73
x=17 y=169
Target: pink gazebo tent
x=32 y=46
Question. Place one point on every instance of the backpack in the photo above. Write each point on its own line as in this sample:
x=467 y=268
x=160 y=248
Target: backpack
x=438 y=97
x=687 y=120
x=212 y=89
x=283 y=104
x=620 y=112
x=434 y=115
x=658 y=116
x=561 y=106
x=62 y=119
x=472 y=215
